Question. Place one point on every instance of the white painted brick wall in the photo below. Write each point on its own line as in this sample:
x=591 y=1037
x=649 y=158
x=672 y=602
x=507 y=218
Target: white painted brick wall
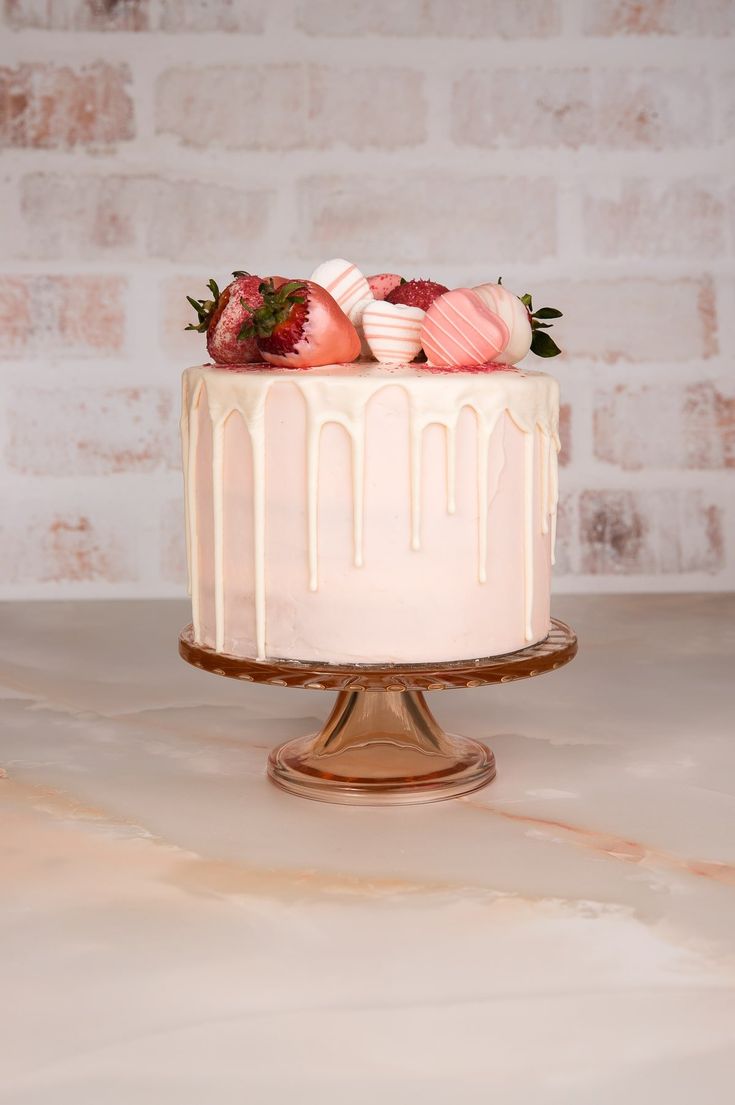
x=583 y=150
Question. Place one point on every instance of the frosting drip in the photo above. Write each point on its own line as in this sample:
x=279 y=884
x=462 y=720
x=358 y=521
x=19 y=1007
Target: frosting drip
x=341 y=394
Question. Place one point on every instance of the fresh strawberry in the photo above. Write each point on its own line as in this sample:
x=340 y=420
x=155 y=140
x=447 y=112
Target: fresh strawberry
x=417 y=293
x=383 y=283
x=221 y=319
x=299 y=325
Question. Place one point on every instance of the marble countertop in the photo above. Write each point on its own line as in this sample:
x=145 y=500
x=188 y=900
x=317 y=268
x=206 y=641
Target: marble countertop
x=174 y=929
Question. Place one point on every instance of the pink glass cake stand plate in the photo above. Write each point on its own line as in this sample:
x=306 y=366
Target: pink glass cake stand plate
x=381 y=745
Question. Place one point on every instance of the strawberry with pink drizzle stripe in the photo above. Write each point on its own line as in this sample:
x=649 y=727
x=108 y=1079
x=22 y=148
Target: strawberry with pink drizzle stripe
x=346 y=285
x=392 y=331
x=460 y=329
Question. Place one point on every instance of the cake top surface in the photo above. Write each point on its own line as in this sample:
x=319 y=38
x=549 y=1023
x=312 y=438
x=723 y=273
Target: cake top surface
x=342 y=393
x=370 y=371
x=343 y=322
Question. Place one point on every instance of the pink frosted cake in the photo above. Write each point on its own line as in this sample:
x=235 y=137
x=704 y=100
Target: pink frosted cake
x=369 y=478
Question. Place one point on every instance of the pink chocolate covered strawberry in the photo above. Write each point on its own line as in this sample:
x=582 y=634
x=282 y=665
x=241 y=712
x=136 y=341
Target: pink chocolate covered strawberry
x=221 y=319
x=383 y=283
x=417 y=293
x=460 y=329
x=299 y=325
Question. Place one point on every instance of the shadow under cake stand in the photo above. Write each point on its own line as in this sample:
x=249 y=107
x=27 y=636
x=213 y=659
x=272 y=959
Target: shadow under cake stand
x=381 y=745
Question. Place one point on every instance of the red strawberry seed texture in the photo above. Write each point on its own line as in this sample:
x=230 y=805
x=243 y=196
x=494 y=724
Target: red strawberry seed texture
x=417 y=293
x=229 y=311
x=383 y=283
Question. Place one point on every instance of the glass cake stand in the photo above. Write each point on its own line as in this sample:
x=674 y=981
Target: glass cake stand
x=381 y=745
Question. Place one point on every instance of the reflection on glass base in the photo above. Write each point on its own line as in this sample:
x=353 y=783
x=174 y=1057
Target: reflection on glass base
x=381 y=745
x=381 y=748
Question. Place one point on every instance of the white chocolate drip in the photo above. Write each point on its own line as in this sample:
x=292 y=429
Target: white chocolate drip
x=218 y=501
x=452 y=468
x=528 y=545
x=184 y=425
x=341 y=395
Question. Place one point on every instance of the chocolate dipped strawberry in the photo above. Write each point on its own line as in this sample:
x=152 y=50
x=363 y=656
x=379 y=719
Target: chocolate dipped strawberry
x=221 y=318
x=299 y=325
x=381 y=284
x=526 y=327
x=345 y=283
x=514 y=315
x=460 y=329
x=417 y=293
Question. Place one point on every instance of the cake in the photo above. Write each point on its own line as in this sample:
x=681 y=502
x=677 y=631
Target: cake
x=369 y=477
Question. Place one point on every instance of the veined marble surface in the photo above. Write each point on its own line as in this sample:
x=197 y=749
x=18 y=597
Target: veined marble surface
x=174 y=930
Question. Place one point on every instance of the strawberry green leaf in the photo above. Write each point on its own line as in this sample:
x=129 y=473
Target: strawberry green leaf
x=204 y=308
x=240 y=272
x=547 y=312
x=526 y=301
x=543 y=345
x=275 y=309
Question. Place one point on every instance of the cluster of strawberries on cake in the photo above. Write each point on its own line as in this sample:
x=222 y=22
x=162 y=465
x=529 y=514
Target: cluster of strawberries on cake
x=339 y=315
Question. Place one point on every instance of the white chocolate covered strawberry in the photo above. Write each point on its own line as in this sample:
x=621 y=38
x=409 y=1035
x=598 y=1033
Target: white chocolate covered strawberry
x=393 y=331
x=345 y=283
x=525 y=326
x=515 y=316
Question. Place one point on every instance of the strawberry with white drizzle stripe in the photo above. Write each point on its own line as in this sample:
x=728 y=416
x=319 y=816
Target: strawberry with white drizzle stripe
x=393 y=331
x=460 y=329
x=514 y=314
x=345 y=283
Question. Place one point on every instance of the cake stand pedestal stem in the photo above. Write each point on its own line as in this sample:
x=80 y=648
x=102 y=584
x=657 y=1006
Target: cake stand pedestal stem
x=381 y=747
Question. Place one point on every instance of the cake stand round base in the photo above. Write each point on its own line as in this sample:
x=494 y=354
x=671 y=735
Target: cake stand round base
x=381 y=745
x=381 y=748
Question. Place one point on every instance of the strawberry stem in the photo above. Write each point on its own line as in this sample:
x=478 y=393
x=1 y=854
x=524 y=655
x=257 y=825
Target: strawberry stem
x=543 y=345
x=204 y=308
x=276 y=307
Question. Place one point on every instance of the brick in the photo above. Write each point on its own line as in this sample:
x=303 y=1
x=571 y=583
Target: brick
x=608 y=109
x=428 y=217
x=173 y=545
x=61 y=315
x=566 y=528
x=306 y=106
x=660 y=17
x=136 y=15
x=640 y=218
x=461 y=19
x=78 y=15
x=56 y=107
x=634 y=319
x=91 y=431
x=672 y=426
x=662 y=531
x=41 y=545
x=91 y=216
x=230 y=16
